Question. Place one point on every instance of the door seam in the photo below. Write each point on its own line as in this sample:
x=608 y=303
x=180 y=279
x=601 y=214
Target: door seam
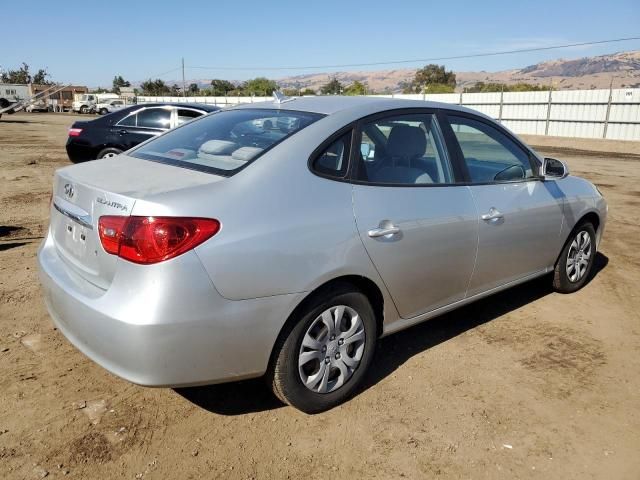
x=475 y=262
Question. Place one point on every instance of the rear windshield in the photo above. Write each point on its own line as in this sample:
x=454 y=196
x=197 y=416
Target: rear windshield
x=226 y=141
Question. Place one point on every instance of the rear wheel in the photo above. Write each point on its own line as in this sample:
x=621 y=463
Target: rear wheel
x=576 y=260
x=83 y=109
x=109 y=152
x=103 y=111
x=322 y=357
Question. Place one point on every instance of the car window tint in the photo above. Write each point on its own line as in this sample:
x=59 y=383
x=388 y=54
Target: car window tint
x=129 y=121
x=405 y=150
x=187 y=115
x=334 y=159
x=489 y=154
x=154 y=118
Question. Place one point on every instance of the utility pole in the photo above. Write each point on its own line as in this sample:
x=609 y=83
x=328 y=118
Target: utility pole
x=184 y=90
x=606 y=118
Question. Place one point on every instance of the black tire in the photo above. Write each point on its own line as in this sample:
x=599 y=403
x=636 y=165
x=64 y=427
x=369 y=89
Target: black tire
x=103 y=111
x=108 y=152
x=283 y=375
x=83 y=109
x=562 y=282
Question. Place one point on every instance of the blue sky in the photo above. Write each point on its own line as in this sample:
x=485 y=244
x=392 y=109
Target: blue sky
x=89 y=42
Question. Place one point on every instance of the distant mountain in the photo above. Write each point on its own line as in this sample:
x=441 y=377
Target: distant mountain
x=583 y=73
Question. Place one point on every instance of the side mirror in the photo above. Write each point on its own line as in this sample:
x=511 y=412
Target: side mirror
x=365 y=149
x=553 y=169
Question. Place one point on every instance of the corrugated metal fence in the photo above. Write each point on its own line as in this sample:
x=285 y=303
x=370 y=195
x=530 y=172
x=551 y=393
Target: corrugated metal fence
x=612 y=114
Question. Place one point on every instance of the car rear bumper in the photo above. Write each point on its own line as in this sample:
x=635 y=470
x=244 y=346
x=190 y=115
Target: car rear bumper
x=155 y=326
x=77 y=152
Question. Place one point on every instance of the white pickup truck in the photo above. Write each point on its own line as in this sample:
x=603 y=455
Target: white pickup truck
x=88 y=101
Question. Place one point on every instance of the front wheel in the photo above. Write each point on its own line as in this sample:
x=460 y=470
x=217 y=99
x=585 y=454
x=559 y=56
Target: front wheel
x=322 y=357
x=83 y=109
x=576 y=259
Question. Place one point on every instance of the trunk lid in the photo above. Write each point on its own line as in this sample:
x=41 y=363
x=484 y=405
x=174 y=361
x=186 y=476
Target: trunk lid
x=85 y=192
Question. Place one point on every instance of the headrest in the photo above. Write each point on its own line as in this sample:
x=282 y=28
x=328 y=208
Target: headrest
x=245 y=153
x=406 y=141
x=218 y=147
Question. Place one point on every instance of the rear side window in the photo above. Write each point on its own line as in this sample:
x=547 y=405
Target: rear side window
x=403 y=150
x=187 y=115
x=154 y=118
x=489 y=154
x=129 y=121
x=227 y=141
x=334 y=159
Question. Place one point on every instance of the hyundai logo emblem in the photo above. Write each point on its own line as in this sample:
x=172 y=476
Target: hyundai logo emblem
x=68 y=190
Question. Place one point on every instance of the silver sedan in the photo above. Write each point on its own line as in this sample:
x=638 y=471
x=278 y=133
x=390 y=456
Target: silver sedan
x=282 y=239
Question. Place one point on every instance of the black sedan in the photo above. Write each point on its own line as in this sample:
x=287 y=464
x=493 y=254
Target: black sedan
x=119 y=131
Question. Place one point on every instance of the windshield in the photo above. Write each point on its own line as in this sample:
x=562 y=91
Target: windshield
x=227 y=141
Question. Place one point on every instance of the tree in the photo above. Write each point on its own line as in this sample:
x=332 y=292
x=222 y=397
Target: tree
x=40 y=78
x=308 y=91
x=433 y=79
x=291 y=92
x=118 y=83
x=334 y=87
x=438 y=88
x=260 y=86
x=356 y=88
x=21 y=75
x=220 y=88
x=194 y=89
x=175 y=91
x=155 y=88
x=481 y=87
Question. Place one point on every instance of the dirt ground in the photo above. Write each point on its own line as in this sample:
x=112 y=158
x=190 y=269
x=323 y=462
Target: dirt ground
x=525 y=384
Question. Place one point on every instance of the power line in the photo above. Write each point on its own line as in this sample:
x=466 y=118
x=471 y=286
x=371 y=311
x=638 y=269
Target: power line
x=158 y=75
x=421 y=60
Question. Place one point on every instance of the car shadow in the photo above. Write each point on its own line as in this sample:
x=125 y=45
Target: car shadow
x=3 y=120
x=250 y=396
x=9 y=246
x=237 y=398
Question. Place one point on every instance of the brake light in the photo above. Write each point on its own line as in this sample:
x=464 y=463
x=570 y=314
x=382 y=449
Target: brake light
x=75 y=132
x=148 y=240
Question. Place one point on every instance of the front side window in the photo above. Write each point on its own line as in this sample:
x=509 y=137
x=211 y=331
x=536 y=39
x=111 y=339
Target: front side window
x=154 y=118
x=489 y=154
x=226 y=141
x=404 y=150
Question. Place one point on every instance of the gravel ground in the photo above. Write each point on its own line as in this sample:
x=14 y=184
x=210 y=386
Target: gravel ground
x=525 y=384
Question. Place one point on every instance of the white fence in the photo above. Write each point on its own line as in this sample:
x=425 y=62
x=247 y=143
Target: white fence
x=613 y=114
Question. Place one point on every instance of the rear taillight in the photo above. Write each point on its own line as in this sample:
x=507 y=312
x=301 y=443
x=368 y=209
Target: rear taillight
x=147 y=240
x=75 y=132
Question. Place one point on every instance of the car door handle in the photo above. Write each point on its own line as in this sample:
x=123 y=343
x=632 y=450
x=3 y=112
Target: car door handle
x=493 y=214
x=123 y=132
x=383 y=232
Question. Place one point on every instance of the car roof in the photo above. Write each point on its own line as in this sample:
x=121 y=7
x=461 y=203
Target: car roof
x=331 y=104
x=203 y=106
